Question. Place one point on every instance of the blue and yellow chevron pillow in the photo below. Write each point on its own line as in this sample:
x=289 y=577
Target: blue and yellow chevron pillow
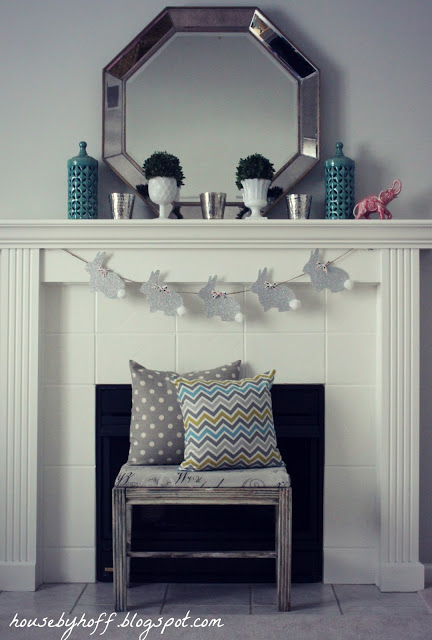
x=228 y=423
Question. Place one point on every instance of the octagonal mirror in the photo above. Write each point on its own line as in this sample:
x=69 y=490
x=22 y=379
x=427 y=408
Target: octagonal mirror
x=211 y=85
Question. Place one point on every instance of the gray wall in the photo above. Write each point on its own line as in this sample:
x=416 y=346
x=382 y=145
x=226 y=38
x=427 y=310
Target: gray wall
x=376 y=97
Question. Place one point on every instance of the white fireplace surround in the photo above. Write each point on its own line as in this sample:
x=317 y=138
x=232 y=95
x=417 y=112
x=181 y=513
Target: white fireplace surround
x=381 y=495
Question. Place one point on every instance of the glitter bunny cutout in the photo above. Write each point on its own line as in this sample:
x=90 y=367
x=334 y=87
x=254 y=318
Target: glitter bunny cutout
x=274 y=294
x=162 y=297
x=104 y=280
x=324 y=275
x=217 y=303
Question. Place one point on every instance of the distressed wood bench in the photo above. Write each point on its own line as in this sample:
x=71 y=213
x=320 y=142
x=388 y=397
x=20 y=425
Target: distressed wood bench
x=137 y=486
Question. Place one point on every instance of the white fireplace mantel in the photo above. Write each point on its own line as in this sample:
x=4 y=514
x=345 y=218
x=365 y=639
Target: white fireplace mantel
x=31 y=256
x=363 y=234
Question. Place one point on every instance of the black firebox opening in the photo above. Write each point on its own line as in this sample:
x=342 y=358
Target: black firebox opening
x=299 y=422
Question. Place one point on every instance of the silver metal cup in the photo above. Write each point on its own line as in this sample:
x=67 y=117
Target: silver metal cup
x=121 y=205
x=212 y=205
x=298 y=206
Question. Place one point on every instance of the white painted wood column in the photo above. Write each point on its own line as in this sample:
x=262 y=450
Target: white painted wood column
x=398 y=449
x=19 y=344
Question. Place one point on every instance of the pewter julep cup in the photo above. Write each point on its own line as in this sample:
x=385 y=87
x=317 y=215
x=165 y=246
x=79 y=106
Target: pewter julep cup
x=121 y=205
x=212 y=205
x=298 y=206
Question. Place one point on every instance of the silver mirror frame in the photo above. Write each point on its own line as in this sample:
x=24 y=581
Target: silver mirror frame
x=174 y=20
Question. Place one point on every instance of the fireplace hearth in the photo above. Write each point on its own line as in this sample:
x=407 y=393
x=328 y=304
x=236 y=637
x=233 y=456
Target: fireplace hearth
x=299 y=422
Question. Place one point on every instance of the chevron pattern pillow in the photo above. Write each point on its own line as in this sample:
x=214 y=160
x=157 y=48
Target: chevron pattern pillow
x=228 y=424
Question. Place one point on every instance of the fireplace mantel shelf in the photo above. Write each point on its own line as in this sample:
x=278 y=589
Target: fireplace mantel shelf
x=374 y=234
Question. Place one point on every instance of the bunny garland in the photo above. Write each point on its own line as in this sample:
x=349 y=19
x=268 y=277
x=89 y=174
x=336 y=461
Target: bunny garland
x=161 y=298
x=324 y=276
x=272 y=295
x=217 y=303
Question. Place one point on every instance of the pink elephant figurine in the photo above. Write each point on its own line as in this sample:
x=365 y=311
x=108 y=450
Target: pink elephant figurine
x=377 y=203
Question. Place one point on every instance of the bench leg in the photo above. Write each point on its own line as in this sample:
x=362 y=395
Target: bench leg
x=283 y=548
x=128 y=542
x=119 y=548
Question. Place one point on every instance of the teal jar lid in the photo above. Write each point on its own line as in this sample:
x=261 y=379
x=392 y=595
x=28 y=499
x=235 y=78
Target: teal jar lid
x=82 y=159
x=339 y=159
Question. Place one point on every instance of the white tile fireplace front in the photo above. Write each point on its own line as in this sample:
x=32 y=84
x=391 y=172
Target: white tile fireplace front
x=58 y=340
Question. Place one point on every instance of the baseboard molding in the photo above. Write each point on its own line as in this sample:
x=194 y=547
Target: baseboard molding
x=350 y=566
x=402 y=576
x=18 y=576
x=62 y=564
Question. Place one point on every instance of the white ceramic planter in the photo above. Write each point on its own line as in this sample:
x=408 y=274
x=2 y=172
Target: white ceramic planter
x=163 y=191
x=255 y=196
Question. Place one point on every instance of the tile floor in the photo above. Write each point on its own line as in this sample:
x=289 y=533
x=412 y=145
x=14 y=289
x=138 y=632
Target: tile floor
x=209 y=599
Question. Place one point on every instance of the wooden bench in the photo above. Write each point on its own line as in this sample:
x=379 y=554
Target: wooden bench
x=174 y=488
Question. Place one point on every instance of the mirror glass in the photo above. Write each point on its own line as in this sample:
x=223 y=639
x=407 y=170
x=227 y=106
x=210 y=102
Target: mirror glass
x=207 y=99
x=211 y=86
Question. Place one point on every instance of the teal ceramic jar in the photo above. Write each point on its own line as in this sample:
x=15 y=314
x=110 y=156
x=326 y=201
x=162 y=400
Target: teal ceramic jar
x=82 y=185
x=339 y=185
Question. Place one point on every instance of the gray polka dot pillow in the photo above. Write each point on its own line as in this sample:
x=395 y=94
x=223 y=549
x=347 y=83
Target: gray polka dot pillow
x=157 y=430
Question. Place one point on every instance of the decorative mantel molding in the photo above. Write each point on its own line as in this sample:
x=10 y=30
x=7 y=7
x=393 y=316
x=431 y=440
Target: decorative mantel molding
x=214 y=234
x=19 y=385
x=30 y=256
x=398 y=389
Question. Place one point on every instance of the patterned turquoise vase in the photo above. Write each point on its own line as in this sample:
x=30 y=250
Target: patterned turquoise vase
x=82 y=185
x=339 y=185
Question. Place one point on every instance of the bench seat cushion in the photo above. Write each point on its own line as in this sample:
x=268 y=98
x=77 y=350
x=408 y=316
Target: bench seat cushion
x=171 y=476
